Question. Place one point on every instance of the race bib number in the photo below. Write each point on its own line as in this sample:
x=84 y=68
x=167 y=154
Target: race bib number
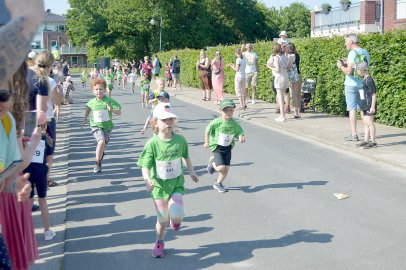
x=101 y=116
x=169 y=169
x=225 y=139
x=145 y=86
x=39 y=153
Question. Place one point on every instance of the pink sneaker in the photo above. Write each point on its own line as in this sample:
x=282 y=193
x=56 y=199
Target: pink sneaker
x=175 y=226
x=158 y=251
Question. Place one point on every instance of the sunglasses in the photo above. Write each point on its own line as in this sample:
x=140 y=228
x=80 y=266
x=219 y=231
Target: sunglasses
x=5 y=95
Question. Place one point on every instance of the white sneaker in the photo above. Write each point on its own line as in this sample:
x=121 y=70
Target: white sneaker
x=253 y=101
x=280 y=119
x=49 y=235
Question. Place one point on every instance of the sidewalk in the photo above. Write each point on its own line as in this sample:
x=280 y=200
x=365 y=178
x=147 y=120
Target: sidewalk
x=322 y=129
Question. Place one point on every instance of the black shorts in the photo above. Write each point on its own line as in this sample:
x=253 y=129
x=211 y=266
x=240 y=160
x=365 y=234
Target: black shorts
x=222 y=155
x=38 y=177
x=367 y=113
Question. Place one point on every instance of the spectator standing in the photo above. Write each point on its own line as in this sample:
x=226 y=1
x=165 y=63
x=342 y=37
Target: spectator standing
x=281 y=80
x=65 y=68
x=176 y=72
x=295 y=79
x=251 y=71
x=352 y=84
x=156 y=66
x=147 y=68
x=203 y=68
x=283 y=38
x=239 y=79
x=217 y=77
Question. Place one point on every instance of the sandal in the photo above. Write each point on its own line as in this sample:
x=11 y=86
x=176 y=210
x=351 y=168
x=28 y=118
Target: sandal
x=52 y=183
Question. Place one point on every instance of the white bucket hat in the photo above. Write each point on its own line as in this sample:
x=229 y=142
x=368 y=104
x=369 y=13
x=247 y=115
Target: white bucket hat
x=283 y=33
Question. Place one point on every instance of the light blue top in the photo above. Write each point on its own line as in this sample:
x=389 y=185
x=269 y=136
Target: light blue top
x=351 y=80
x=156 y=69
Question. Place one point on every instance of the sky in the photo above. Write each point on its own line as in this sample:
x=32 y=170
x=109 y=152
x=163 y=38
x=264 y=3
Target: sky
x=60 y=6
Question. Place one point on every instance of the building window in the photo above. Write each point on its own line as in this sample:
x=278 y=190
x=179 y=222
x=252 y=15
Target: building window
x=61 y=28
x=36 y=45
x=400 y=9
x=54 y=43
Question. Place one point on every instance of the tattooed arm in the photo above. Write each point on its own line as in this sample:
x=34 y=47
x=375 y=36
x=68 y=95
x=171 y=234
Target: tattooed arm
x=15 y=36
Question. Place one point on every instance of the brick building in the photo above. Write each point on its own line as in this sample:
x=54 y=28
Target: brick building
x=365 y=16
x=51 y=33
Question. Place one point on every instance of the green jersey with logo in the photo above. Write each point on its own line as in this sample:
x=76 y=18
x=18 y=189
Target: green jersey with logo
x=164 y=160
x=223 y=132
x=100 y=116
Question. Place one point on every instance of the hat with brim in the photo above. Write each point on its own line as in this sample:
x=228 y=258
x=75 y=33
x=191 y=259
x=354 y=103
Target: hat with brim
x=163 y=111
x=362 y=66
x=32 y=55
x=226 y=103
x=283 y=33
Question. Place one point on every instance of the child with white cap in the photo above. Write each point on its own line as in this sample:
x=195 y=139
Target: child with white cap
x=163 y=172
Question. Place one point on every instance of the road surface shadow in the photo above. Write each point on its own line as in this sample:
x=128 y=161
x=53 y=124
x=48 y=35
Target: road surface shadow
x=299 y=185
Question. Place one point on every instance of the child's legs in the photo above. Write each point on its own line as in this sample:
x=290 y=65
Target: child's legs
x=101 y=145
x=102 y=138
x=371 y=126
x=44 y=212
x=161 y=207
x=175 y=208
x=221 y=163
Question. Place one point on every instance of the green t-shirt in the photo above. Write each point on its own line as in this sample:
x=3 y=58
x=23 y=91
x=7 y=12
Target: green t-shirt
x=223 y=132
x=164 y=160
x=100 y=116
x=145 y=85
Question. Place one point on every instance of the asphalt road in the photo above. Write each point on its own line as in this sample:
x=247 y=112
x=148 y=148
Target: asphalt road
x=280 y=212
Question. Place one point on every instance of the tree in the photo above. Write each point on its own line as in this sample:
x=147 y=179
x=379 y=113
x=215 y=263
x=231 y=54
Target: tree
x=295 y=19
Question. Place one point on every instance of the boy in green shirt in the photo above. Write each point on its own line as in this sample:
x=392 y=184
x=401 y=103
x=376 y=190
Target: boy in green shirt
x=219 y=136
x=145 y=86
x=102 y=109
x=161 y=162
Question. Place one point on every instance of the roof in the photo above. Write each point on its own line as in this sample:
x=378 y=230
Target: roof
x=51 y=17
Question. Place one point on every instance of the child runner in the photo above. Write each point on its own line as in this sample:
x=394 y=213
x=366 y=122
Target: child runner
x=109 y=81
x=102 y=109
x=162 y=97
x=133 y=79
x=367 y=105
x=145 y=85
x=168 y=75
x=38 y=170
x=83 y=78
x=219 y=136
x=162 y=170
x=119 y=76
x=125 y=78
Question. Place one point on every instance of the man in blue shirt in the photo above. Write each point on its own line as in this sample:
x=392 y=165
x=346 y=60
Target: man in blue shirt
x=352 y=84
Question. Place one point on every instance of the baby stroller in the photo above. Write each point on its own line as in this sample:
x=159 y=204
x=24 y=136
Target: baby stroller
x=308 y=95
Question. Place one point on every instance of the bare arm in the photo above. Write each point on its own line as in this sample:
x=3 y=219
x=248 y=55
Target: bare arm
x=147 y=179
x=15 y=37
x=42 y=103
x=87 y=112
x=192 y=172
x=275 y=66
x=206 y=140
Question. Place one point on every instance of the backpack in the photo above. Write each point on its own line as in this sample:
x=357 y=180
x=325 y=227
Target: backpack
x=359 y=57
x=159 y=64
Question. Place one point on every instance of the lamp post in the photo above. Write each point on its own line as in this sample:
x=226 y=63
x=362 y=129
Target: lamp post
x=153 y=22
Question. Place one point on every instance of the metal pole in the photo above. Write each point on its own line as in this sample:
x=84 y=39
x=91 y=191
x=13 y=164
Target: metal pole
x=381 y=17
x=160 y=35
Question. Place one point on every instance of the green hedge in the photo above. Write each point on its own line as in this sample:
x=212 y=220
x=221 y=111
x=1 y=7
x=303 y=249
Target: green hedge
x=318 y=59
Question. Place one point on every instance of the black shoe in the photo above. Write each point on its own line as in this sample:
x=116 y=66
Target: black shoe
x=34 y=208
